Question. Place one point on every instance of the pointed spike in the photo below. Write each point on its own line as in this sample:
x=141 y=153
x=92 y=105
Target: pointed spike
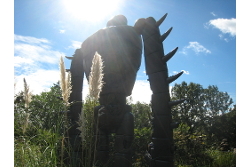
x=174 y=77
x=70 y=58
x=173 y=103
x=165 y=35
x=169 y=55
x=158 y=23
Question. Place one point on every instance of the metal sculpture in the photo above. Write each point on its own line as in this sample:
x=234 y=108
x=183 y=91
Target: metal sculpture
x=162 y=147
x=120 y=46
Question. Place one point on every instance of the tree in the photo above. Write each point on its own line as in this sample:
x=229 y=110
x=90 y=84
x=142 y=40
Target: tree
x=218 y=102
x=142 y=131
x=224 y=127
x=192 y=111
x=47 y=107
x=202 y=105
x=200 y=116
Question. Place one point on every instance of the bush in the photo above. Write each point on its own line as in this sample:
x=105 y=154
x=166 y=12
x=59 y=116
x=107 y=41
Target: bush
x=222 y=158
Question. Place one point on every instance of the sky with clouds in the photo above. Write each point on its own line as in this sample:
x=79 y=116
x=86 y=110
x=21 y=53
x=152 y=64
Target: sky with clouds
x=204 y=32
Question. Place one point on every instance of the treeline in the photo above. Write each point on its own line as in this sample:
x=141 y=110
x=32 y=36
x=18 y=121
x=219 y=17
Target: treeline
x=206 y=135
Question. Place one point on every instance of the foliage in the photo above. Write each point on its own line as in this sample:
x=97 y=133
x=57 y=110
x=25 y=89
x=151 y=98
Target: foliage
x=86 y=126
x=190 y=148
x=201 y=107
x=196 y=139
x=41 y=143
x=222 y=159
x=142 y=131
x=206 y=118
x=224 y=127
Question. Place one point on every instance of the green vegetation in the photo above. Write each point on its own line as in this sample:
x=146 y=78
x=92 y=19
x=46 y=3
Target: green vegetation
x=206 y=118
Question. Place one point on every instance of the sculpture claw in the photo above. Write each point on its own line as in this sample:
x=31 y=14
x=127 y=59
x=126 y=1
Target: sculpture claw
x=158 y=23
x=169 y=55
x=70 y=58
x=165 y=35
x=174 y=77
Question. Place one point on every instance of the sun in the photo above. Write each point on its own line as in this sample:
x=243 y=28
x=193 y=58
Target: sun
x=91 y=10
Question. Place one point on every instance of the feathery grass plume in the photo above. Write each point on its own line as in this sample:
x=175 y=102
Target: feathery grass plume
x=27 y=99
x=82 y=126
x=27 y=94
x=86 y=118
x=65 y=82
x=96 y=77
x=95 y=87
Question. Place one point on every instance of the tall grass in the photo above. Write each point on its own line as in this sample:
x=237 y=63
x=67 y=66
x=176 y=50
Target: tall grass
x=86 y=118
x=27 y=99
x=222 y=158
x=96 y=77
x=65 y=82
x=39 y=126
x=27 y=94
x=37 y=146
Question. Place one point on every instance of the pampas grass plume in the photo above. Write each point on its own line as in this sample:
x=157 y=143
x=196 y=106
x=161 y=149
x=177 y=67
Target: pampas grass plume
x=27 y=94
x=96 y=77
x=95 y=86
x=65 y=82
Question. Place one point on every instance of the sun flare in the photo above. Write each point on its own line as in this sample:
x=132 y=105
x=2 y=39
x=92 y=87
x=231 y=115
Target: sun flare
x=92 y=10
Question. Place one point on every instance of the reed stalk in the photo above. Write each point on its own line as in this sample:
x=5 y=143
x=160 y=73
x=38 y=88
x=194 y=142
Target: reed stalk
x=96 y=77
x=86 y=118
x=27 y=99
x=65 y=82
x=27 y=94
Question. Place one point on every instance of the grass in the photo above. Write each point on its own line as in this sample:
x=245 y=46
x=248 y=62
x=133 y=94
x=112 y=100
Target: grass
x=40 y=146
x=29 y=153
x=222 y=159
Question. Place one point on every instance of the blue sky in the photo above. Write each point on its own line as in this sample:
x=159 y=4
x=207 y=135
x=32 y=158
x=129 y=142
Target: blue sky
x=204 y=31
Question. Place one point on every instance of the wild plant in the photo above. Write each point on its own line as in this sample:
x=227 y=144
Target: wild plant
x=65 y=82
x=86 y=118
x=39 y=142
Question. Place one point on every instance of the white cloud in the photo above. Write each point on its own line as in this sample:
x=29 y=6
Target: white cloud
x=28 y=39
x=37 y=53
x=226 y=26
x=18 y=61
x=184 y=72
x=75 y=45
x=62 y=31
x=224 y=38
x=212 y=13
x=196 y=47
x=38 y=81
x=85 y=90
x=32 y=57
x=28 y=50
x=141 y=91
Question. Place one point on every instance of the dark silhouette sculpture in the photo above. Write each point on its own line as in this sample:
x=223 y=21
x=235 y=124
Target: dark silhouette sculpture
x=120 y=46
x=162 y=147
